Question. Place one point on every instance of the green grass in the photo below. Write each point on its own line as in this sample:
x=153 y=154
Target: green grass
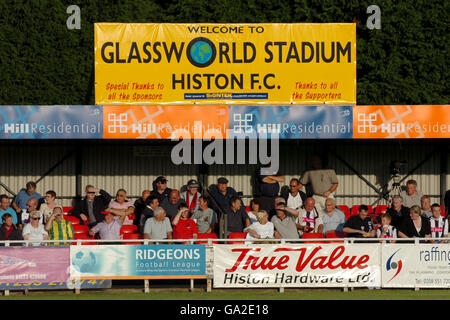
x=331 y=294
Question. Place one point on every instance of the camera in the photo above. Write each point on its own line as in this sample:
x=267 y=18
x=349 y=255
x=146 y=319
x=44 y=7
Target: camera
x=396 y=166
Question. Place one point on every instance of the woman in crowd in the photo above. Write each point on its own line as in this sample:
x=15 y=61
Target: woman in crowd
x=254 y=208
x=417 y=226
x=262 y=229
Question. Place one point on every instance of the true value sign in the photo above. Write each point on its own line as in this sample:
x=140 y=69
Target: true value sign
x=297 y=265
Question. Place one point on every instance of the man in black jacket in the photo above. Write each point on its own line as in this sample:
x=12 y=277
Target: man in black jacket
x=91 y=206
x=8 y=231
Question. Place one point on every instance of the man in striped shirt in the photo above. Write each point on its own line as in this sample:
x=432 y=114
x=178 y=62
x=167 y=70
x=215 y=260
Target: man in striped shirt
x=439 y=225
x=59 y=228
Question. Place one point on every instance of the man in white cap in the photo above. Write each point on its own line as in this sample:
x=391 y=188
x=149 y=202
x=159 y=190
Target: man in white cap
x=192 y=196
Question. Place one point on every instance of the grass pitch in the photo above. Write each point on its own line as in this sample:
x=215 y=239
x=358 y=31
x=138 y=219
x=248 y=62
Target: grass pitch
x=319 y=294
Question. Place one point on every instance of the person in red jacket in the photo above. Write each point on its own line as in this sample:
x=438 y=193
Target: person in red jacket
x=183 y=226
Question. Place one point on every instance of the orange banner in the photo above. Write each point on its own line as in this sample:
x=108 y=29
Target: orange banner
x=159 y=122
x=401 y=122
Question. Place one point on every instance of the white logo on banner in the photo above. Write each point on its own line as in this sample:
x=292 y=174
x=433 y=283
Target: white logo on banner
x=243 y=123
x=367 y=122
x=117 y=123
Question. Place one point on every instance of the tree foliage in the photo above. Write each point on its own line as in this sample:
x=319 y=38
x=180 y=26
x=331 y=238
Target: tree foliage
x=42 y=62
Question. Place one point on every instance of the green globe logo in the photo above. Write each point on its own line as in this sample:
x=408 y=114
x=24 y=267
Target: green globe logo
x=201 y=52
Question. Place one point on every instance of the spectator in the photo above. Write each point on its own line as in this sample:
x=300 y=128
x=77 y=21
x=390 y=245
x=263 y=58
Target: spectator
x=34 y=230
x=204 y=216
x=309 y=219
x=398 y=212
x=417 y=226
x=24 y=218
x=438 y=224
x=254 y=209
x=191 y=196
x=21 y=199
x=8 y=231
x=151 y=204
x=171 y=203
x=222 y=195
x=158 y=227
x=360 y=225
x=160 y=189
x=183 y=226
x=294 y=197
x=109 y=228
x=139 y=206
x=425 y=204
x=333 y=218
x=411 y=197
x=5 y=208
x=386 y=230
x=59 y=228
x=323 y=181
x=122 y=205
x=269 y=187
x=89 y=210
x=284 y=220
x=262 y=229
x=47 y=208
x=235 y=218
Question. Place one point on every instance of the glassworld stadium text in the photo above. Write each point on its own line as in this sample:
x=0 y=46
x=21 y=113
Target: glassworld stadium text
x=278 y=51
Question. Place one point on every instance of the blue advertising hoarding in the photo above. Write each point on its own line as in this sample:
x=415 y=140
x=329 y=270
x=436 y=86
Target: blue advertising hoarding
x=137 y=261
x=293 y=121
x=51 y=122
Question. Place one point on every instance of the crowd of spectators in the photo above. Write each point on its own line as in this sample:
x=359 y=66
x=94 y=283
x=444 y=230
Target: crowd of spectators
x=166 y=213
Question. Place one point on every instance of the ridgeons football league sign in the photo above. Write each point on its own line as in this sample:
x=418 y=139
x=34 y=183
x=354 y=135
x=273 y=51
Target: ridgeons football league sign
x=225 y=63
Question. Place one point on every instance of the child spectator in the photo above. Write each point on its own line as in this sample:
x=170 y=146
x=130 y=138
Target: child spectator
x=386 y=230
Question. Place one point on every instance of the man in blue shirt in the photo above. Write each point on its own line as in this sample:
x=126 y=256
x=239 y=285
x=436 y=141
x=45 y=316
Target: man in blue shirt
x=21 y=199
x=5 y=208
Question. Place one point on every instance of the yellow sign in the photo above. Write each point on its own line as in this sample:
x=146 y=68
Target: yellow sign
x=225 y=63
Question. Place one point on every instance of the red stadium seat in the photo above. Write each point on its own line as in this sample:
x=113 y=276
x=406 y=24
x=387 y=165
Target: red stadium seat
x=237 y=235
x=128 y=236
x=67 y=210
x=78 y=228
x=355 y=209
x=128 y=228
x=380 y=209
x=84 y=236
x=74 y=220
x=312 y=235
x=345 y=210
x=442 y=211
x=335 y=235
x=210 y=235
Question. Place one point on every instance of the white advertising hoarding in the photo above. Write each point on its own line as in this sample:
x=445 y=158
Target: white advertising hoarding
x=422 y=265
x=297 y=265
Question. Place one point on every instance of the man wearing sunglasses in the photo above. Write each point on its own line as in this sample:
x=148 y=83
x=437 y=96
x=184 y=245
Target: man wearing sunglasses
x=35 y=230
x=89 y=210
x=160 y=189
x=293 y=196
